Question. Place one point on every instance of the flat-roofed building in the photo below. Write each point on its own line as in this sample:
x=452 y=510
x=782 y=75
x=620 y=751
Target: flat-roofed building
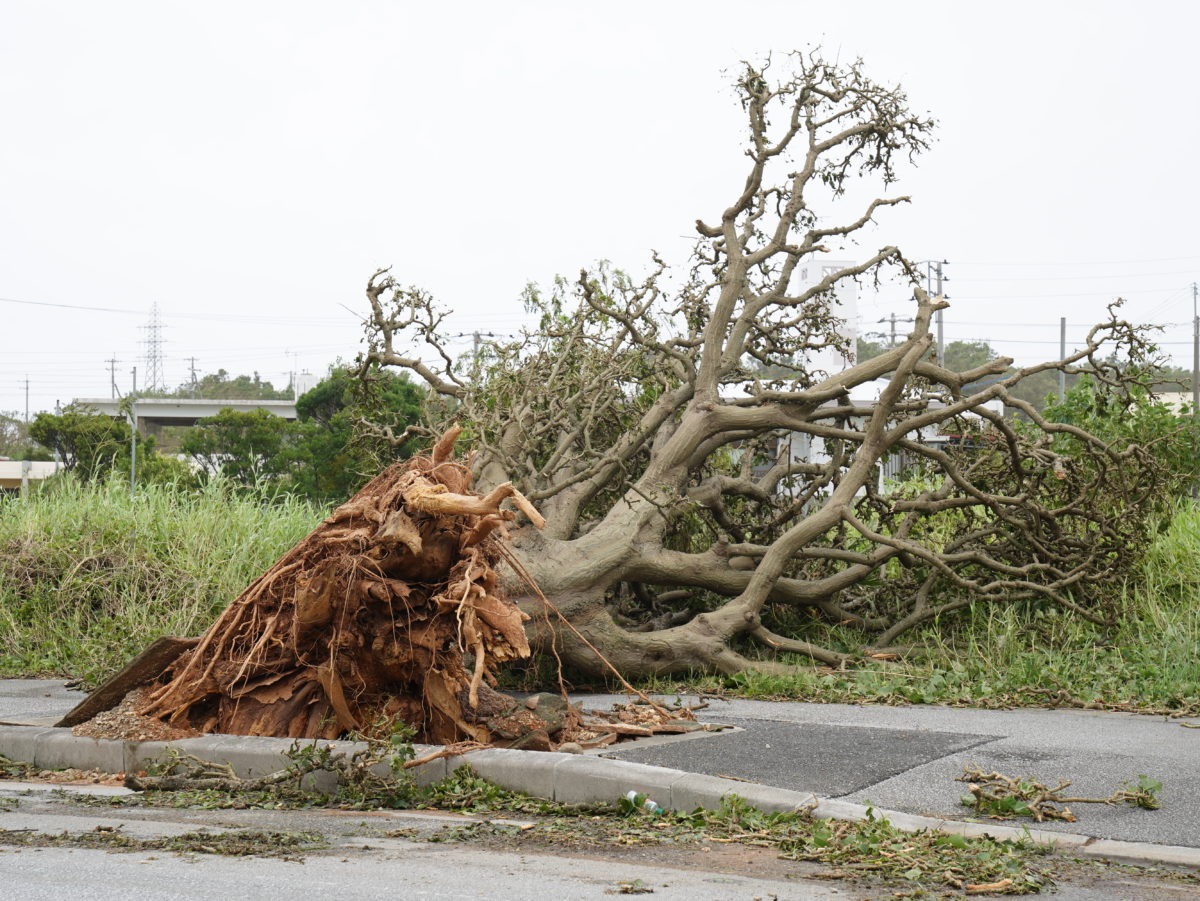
x=155 y=413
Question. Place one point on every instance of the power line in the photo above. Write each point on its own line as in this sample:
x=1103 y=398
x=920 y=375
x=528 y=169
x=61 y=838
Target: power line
x=216 y=317
x=1072 y=262
x=1074 y=278
x=1012 y=296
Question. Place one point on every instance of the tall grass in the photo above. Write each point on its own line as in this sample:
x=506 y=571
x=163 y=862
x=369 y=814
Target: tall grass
x=89 y=576
x=996 y=656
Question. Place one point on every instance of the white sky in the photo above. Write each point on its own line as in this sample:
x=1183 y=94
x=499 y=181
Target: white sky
x=247 y=165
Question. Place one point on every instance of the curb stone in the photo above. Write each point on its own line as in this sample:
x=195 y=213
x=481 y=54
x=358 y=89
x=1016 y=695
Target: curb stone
x=567 y=778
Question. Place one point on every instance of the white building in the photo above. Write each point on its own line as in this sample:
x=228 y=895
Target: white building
x=846 y=309
x=16 y=475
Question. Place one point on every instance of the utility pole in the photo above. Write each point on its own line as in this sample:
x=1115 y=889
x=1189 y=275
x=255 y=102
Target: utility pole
x=891 y=335
x=112 y=373
x=1195 y=370
x=192 y=361
x=1062 y=355
x=933 y=286
x=26 y=400
x=133 y=436
x=295 y=356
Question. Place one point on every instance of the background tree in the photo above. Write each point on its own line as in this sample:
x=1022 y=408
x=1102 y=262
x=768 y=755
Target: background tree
x=15 y=441
x=322 y=456
x=95 y=446
x=636 y=418
x=220 y=385
x=330 y=459
x=244 y=446
x=89 y=444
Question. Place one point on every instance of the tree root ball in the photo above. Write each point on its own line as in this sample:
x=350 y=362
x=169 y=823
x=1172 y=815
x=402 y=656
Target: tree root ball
x=368 y=621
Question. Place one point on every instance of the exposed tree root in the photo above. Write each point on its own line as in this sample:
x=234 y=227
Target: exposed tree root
x=370 y=617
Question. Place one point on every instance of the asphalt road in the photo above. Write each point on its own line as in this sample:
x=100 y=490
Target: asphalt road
x=901 y=758
x=363 y=863
x=907 y=758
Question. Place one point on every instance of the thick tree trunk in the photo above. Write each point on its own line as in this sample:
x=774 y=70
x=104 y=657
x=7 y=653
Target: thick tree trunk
x=575 y=577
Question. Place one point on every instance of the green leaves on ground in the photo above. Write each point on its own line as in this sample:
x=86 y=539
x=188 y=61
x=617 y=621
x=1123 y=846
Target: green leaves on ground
x=233 y=843
x=1002 y=797
x=874 y=846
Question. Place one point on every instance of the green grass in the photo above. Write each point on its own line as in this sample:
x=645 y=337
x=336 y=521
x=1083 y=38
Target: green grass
x=89 y=576
x=995 y=656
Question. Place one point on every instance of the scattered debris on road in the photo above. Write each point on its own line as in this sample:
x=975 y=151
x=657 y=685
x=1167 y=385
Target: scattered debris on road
x=1003 y=797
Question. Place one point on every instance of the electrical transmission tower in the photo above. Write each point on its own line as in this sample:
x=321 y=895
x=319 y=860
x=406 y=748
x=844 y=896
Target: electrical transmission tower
x=154 y=354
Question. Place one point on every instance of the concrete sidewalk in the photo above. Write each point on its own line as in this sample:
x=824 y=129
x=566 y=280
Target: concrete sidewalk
x=900 y=760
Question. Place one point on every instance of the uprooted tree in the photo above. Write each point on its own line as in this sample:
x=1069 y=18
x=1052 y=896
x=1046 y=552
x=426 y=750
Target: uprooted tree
x=640 y=420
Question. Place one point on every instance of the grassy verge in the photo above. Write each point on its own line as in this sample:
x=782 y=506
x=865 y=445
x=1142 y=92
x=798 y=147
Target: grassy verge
x=89 y=576
x=1025 y=656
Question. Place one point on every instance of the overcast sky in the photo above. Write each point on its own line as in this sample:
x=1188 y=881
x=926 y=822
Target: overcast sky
x=247 y=165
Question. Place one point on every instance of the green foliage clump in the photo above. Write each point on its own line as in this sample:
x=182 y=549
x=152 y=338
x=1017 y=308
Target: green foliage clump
x=220 y=385
x=95 y=446
x=1173 y=436
x=332 y=458
x=322 y=456
x=243 y=446
x=15 y=441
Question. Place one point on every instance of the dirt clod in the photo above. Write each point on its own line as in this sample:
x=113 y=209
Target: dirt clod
x=124 y=722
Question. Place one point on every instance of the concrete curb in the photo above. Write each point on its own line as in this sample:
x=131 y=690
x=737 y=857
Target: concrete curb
x=567 y=778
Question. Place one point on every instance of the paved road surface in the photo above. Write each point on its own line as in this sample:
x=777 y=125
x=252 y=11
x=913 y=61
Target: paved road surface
x=907 y=758
x=364 y=864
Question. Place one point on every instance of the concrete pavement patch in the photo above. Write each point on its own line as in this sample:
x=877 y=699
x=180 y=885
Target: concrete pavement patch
x=58 y=749
x=831 y=759
x=20 y=742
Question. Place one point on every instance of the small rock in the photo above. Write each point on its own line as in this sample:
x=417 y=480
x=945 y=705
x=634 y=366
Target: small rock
x=571 y=747
x=537 y=740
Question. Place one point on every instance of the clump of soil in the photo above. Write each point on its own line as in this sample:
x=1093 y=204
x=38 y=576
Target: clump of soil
x=124 y=722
